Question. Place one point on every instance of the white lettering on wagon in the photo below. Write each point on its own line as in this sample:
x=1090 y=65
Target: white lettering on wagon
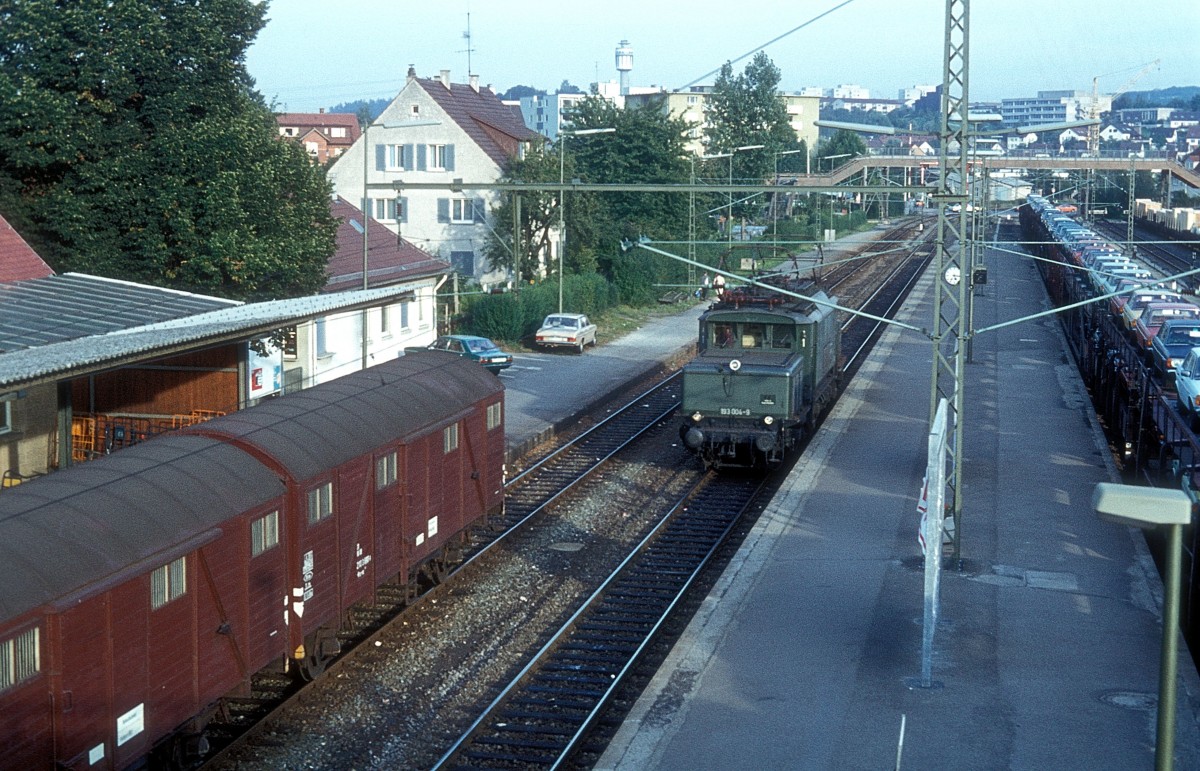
x=307 y=569
x=360 y=565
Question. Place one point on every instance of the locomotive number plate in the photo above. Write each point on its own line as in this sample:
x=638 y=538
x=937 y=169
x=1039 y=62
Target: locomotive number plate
x=734 y=411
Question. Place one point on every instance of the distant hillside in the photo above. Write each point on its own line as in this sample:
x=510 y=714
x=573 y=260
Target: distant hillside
x=1174 y=96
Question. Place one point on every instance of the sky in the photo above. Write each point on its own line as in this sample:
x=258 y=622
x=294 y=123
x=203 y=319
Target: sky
x=314 y=54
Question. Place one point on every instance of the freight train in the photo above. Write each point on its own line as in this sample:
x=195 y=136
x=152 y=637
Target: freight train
x=144 y=589
x=1151 y=439
x=766 y=368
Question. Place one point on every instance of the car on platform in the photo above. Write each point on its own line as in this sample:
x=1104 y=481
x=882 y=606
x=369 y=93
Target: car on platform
x=1187 y=386
x=479 y=349
x=566 y=330
x=1171 y=345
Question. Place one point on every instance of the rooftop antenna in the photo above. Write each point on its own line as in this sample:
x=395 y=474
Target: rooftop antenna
x=467 y=36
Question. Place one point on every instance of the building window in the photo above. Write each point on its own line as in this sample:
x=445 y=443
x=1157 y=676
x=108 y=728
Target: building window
x=398 y=157
x=20 y=658
x=450 y=439
x=416 y=110
x=461 y=210
x=385 y=321
x=493 y=416
x=404 y=314
x=463 y=262
x=385 y=471
x=264 y=533
x=320 y=503
x=337 y=131
x=289 y=343
x=319 y=332
x=383 y=209
x=5 y=414
x=168 y=583
x=437 y=158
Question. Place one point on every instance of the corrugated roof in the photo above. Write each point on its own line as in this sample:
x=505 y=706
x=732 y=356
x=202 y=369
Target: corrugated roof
x=53 y=309
x=489 y=122
x=78 y=356
x=18 y=261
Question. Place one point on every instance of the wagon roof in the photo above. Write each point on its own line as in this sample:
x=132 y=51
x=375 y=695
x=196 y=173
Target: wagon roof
x=82 y=526
x=81 y=529
x=320 y=428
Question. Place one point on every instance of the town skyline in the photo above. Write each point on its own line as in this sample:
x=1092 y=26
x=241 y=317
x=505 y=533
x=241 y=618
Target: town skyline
x=1016 y=48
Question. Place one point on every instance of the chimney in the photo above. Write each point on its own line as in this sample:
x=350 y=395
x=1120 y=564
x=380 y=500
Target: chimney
x=412 y=72
x=475 y=83
x=320 y=110
x=445 y=78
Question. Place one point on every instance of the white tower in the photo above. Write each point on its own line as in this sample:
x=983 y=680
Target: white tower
x=624 y=64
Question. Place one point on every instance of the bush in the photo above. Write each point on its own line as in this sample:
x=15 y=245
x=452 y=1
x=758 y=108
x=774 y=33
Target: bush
x=514 y=315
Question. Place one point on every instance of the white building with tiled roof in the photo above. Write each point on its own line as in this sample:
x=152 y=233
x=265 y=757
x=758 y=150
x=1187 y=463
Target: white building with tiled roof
x=437 y=131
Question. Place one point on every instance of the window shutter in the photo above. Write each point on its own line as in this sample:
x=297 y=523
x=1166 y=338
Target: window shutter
x=443 y=210
x=380 y=157
x=479 y=210
x=404 y=208
x=449 y=157
x=421 y=158
x=408 y=158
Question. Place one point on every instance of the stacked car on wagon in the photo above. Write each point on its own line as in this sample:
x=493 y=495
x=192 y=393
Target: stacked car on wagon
x=142 y=588
x=1143 y=307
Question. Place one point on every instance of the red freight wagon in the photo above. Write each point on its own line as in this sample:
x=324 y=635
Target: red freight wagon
x=142 y=587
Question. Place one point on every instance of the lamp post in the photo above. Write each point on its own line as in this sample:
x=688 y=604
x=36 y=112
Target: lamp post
x=562 y=203
x=366 y=209
x=1146 y=507
x=730 y=223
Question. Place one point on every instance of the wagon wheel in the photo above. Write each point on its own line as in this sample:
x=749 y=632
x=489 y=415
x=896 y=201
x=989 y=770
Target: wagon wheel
x=312 y=665
x=323 y=649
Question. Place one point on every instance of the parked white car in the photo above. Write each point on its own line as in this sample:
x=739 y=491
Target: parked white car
x=566 y=330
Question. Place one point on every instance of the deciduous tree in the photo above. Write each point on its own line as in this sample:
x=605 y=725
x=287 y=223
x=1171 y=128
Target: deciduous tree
x=133 y=145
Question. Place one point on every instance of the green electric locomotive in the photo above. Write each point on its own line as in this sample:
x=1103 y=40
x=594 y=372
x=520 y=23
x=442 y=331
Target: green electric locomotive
x=766 y=368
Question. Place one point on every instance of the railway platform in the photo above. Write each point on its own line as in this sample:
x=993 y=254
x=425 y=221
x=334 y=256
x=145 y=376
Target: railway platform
x=807 y=654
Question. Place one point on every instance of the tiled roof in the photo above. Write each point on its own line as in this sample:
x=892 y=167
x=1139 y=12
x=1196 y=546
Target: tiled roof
x=320 y=120
x=18 y=261
x=478 y=111
x=390 y=259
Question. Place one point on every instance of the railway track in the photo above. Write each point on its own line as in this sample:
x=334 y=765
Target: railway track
x=545 y=717
x=585 y=655
x=542 y=718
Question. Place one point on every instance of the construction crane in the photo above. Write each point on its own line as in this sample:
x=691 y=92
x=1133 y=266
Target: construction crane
x=1093 y=130
x=1093 y=143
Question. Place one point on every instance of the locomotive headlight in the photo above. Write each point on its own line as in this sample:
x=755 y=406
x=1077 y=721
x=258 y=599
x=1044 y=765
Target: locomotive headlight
x=696 y=416
x=768 y=420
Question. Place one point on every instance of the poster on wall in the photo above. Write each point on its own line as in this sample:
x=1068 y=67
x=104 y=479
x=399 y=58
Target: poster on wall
x=264 y=369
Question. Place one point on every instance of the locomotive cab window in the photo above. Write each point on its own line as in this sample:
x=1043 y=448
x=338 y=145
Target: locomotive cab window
x=320 y=503
x=168 y=583
x=20 y=658
x=752 y=335
x=722 y=335
x=782 y=337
